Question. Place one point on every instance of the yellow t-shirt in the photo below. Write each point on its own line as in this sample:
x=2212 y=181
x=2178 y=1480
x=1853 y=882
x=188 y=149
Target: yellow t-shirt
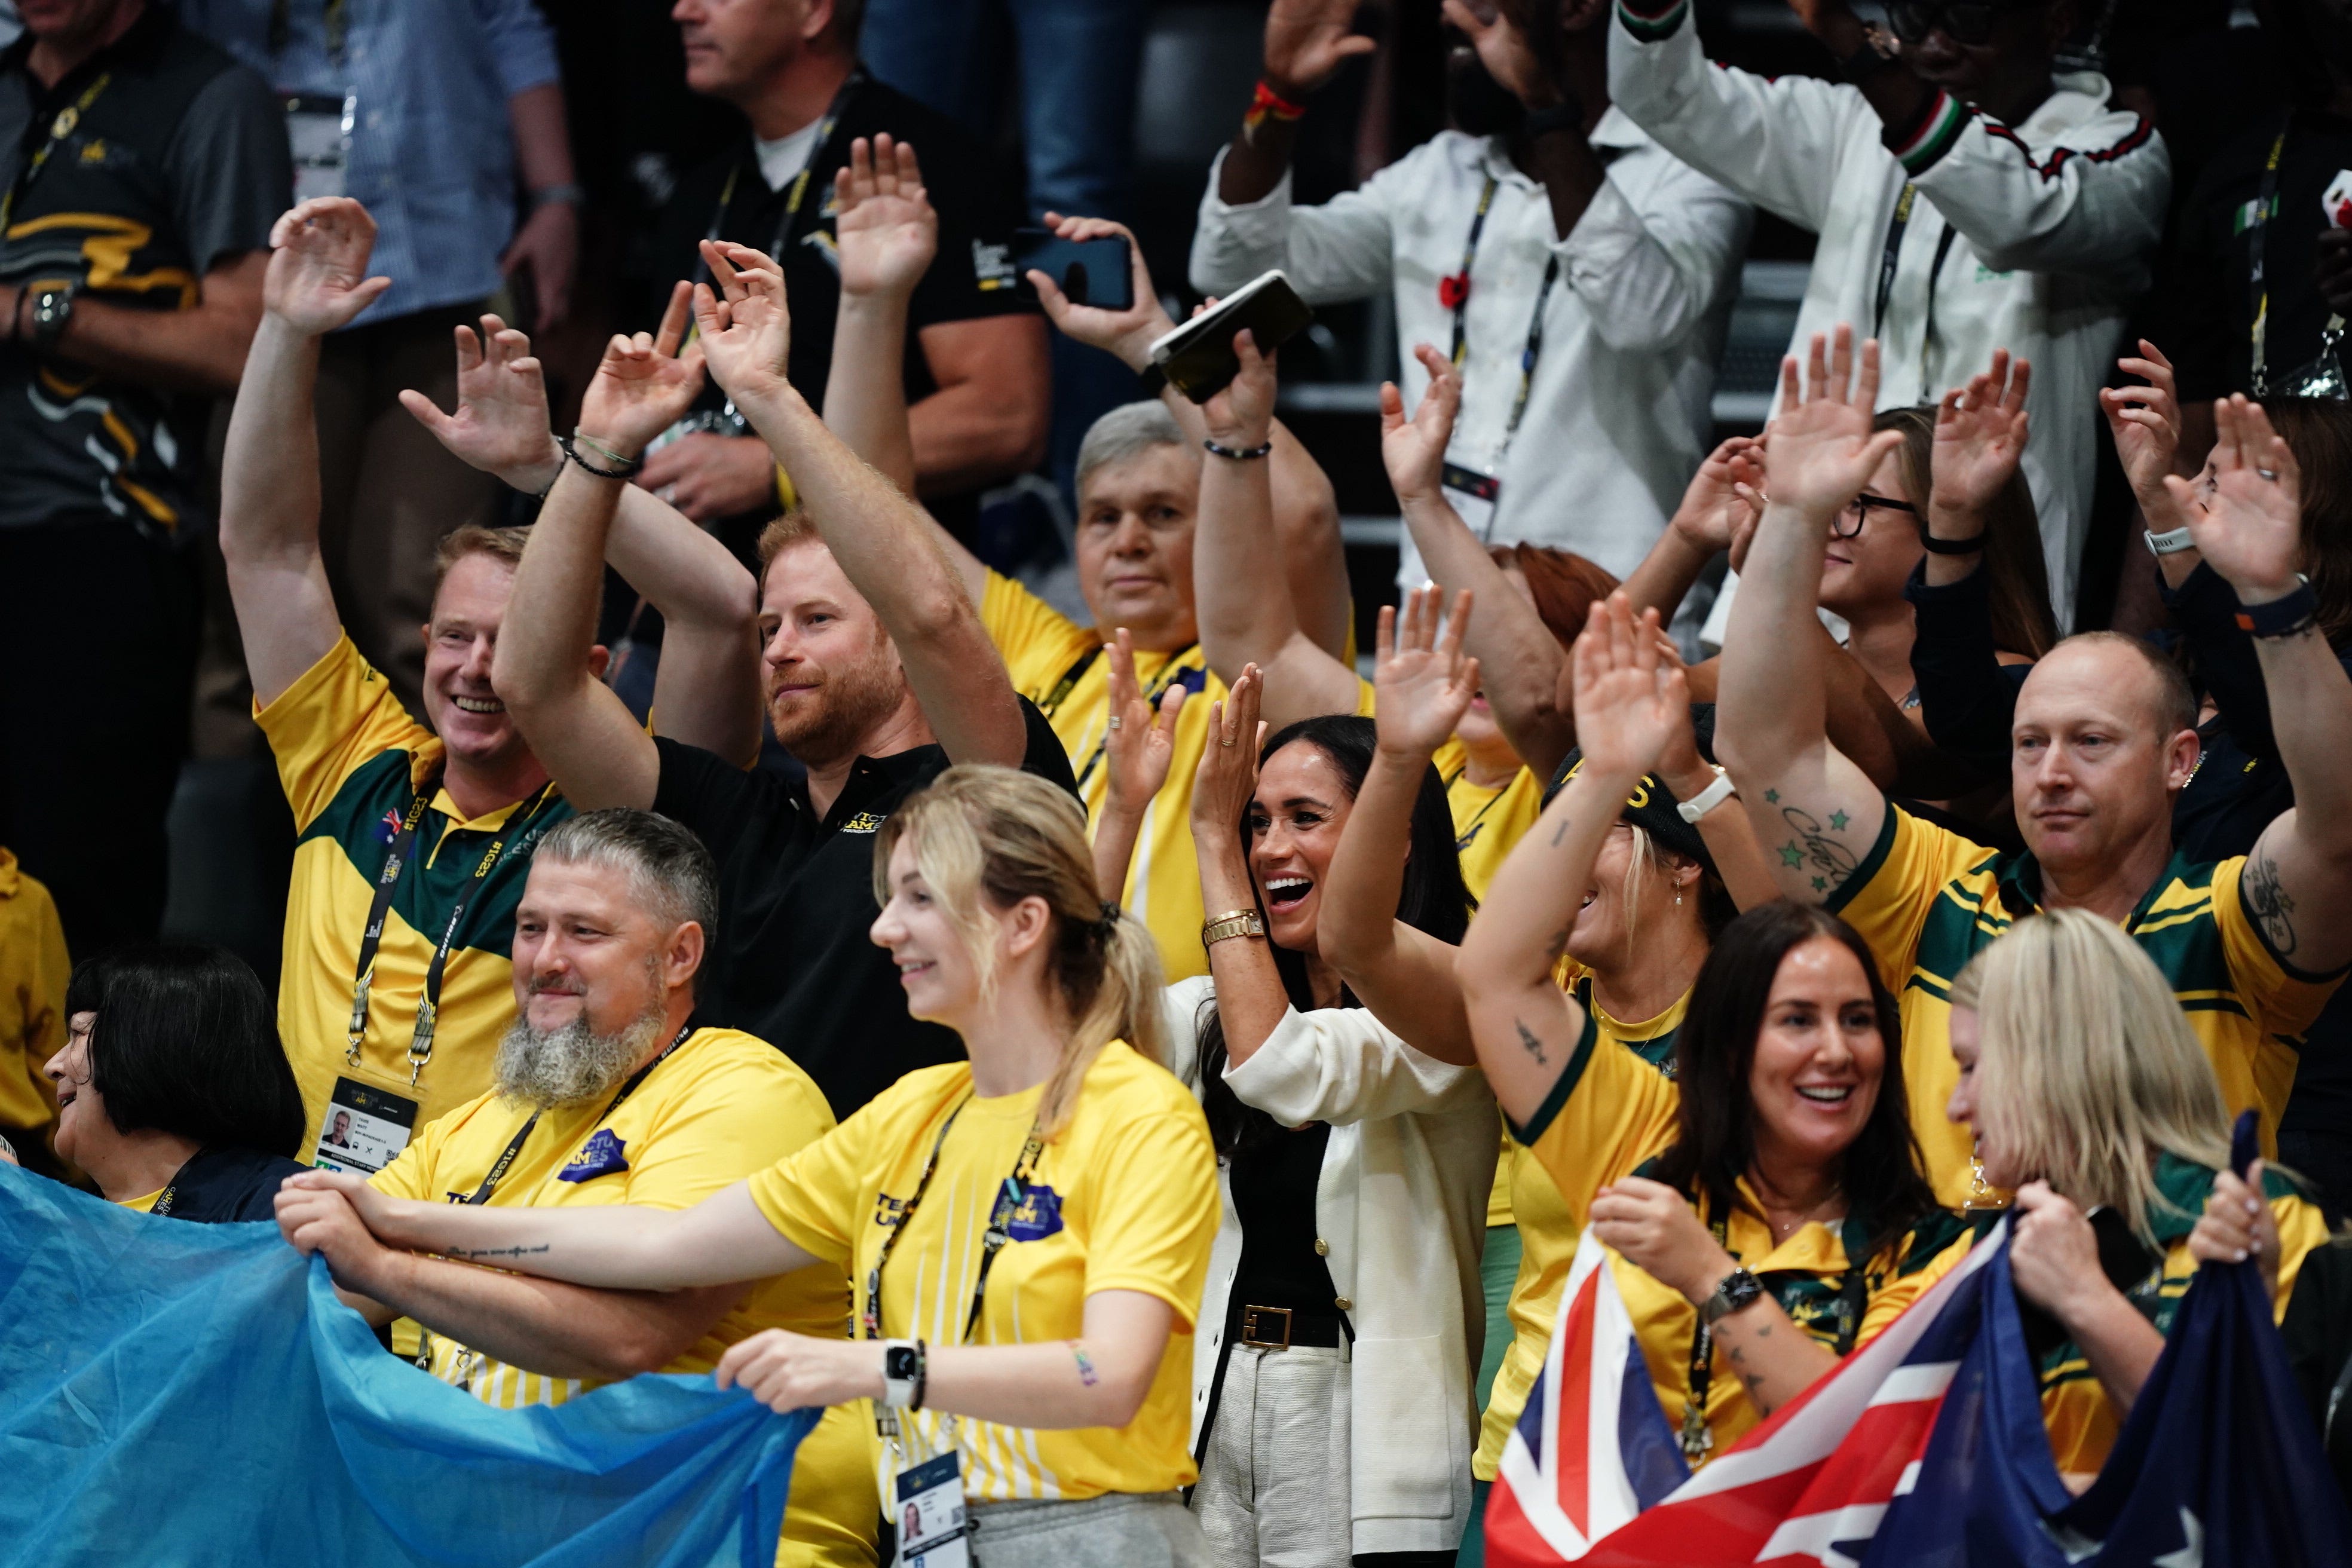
x=1548 y=1233
x=1610 y=1115
x=1135 y=1207
x=34 y=969
x=1927 y=901
x=350 y=759
x=719 y=1108
x=1487 y=823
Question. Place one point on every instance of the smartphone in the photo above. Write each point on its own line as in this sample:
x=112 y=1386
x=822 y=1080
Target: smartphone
x=1198 y=357
x=1088 y=271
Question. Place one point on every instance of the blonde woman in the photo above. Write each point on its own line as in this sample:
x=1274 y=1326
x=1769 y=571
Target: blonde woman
x=2087 y=1090
x=1061 y=1179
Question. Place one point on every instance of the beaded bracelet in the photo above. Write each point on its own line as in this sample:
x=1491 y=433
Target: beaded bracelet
x=1240 y=456
x=571 y=444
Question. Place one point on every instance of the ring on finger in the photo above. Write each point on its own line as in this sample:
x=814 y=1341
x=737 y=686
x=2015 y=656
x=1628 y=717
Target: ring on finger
x=1116 y=721
x=2270 y=474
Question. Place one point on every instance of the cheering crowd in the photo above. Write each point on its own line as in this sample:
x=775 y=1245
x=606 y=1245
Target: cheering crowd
x=1146 y=1075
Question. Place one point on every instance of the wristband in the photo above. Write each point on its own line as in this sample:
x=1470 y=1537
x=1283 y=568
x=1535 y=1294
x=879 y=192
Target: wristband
x=1971 y=545
x=2282 y=617
x=1707 y=799
x=551 y=195
x=1239 y=456
x=1568 y=115
x=2171 y=543
x=1267 y=104
x=627 y=467
x=1224 y=927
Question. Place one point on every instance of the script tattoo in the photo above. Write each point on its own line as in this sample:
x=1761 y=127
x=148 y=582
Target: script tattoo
x=1829 y=860
x=1534 y=1045
x=493 y=1251
x=2270 y=903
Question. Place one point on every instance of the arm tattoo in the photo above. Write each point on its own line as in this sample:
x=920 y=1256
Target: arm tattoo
x=1560 y=833
x=1087 y=1373
x=1829 y=858
x=1534 y=1045
x=2269 y=902
x=493 y=1251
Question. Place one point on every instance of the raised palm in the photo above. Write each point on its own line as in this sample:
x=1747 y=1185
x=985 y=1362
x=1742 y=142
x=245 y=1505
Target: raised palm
x=745 y=327
x=2145 y=422
x=1307 y=42
x=1981 y=434
x=1423 y=682
x=885 y=227
x=318 y=280
x=1821 y=452
x=1141 y=743
x=1631 y=704
x=1714 y=510
x=644 y=383
x=2246 y=515
x=1414 y=449
x=501 y=423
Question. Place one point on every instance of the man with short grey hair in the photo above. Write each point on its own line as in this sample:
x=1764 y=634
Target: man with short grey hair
x=606 y=1093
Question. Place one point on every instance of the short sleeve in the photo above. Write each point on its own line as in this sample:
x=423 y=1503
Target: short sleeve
x=707 y=793
x=727 y=1126
x=971 y=276
x=1156 y=1212
x=410 y=1174
x=230 y=170
x=2302 y=1229
x=814 y=1198
x=1889 y=895
x=1609 y=1111
x=1038 y=641
x=337 y=717
x=2282 y=1001
x=521 y=43
x=1890 y=1300
x=1044 y=755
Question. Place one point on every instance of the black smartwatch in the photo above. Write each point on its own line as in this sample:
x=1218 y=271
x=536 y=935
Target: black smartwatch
x=1568 y=115
x=1739 y=1291
x=51 y=313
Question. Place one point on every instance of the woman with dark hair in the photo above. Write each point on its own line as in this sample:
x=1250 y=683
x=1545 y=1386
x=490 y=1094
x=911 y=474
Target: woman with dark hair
x=1764 y=1203
x=173 y=1090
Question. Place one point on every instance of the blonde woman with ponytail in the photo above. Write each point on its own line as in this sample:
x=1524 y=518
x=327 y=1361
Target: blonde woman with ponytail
x=1052 y=1365
x=2087 y=1090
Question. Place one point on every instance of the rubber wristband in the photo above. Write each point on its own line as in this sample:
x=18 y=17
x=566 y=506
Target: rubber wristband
x=2282 y=617
x=1973 y=544
x=1707 y=799
x=1241 y=455
x=1267 y=104
x=1568 y=115
x=2171 y=543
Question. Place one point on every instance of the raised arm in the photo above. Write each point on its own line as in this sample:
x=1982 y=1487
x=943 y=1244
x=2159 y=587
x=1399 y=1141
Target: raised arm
x=1139 y=746
x=1519 y=660
x=1249 y=997
x=317 y=280
x=578 y=726
x=1717 y=513
x=887 y=546
x=1245 y=611
x=1815 y=812
x=1406 y=976
x=2297 y=883
x=707 y=693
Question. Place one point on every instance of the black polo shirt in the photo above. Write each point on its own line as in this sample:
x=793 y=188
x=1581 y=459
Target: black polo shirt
x=792 y=962
x=164 y=156
x=228 y=1185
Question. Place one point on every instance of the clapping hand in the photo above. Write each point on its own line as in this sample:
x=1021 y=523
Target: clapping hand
x=1140 y=742
x=2246 y=514
x=1127 y=334
x=1981 y=433
x=885 y=230
x=1414 y=449
x=1425 y=684
x=644 y=385
x=317 y=279
x=1227 y=776
x=1721 y=504
x=1307 y=42
x=745 y=326
x=2237 y=1225
x=1821 y=451
x=1240 y=415
x=2146 y=421
x=500 y=425
x=1632 y=704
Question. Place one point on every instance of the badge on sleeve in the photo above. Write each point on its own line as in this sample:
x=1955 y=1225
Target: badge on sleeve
x=1038 y=1217
x=931 y=1528
x=601 y=1155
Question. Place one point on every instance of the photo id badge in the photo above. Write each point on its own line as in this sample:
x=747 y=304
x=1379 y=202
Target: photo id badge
x=1473 y=495
x=365 y=1128
x=319 y=132
x=930 y=1514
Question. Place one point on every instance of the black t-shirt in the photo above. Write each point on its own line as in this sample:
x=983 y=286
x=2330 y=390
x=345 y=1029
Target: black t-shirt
x=2318 y=1328
x=226 y=1186
x=164 y=156
x=2212 y=296
x=792 y=962
x=970 y=276
x=1275 y=1178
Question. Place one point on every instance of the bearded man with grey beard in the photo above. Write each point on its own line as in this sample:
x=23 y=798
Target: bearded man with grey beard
x=607 y=1093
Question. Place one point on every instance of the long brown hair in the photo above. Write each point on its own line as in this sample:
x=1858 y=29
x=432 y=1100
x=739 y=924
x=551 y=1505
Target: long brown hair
x=2319 y=430
x=2017 y=579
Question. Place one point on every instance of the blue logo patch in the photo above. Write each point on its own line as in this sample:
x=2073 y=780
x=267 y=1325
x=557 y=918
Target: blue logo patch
x=1039 y=1216
x=600 y=1156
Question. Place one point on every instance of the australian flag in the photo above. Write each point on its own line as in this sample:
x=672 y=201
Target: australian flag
x=1926 y=1450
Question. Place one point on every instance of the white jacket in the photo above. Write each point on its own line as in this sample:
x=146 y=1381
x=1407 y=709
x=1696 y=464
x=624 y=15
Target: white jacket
x=2053 y=223
x=1401 y=1205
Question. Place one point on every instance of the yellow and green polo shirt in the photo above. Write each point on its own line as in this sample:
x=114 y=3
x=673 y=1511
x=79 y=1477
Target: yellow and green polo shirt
x=1927 y=901
x=1488 y=822
x=352 y=761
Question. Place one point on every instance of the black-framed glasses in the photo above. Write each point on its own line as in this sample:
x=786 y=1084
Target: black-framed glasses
x=1850 y=517
x=1968 y=22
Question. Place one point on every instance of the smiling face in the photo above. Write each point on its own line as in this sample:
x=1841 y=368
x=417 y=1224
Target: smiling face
x=1135 y=545
x=1302 y=802
x=1603 y=935
x=459 y=642
x=829 y=673
x=83 y=1127
x=935 y=964
x=1867 y=572
x=587 y=950
x=1820 y=1056
x=2092 y=764
x=2002 y=1168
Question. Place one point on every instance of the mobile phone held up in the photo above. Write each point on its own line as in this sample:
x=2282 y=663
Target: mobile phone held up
x=1198 y=357
x=1088 y=271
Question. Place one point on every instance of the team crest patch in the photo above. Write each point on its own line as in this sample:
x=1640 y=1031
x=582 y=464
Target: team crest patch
x=600 y=1156
x=1039 y=1216
x=864 y=822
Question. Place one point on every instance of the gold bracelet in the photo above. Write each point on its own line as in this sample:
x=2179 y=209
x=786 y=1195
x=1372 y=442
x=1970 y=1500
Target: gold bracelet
x=1240 y=922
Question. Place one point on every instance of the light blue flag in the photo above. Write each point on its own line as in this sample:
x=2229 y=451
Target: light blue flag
x=189 y=1394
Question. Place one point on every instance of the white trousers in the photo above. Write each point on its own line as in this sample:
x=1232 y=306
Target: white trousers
x=1274 y=1480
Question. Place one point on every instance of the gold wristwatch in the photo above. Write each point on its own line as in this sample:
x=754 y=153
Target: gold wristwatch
x=1241 y=922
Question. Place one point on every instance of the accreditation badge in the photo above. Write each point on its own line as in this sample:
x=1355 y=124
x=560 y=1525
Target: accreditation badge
x=319 y=133
x=932 y=1530
x=1474 y=494
x=366 y=1128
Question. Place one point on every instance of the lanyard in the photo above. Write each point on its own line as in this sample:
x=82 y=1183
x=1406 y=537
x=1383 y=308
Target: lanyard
x=395 y=860
x=60 y=128
x=514 y=1145
x=2265 y=204
x=1696 y=1437
x=1070 y=678
x=1891 y=258
x=1170 y=675
x=825 y=128
x=1456 y=290
x=1461 y=840
x=335 y=22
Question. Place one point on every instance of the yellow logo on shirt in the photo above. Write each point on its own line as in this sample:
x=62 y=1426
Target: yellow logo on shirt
x=864 y=822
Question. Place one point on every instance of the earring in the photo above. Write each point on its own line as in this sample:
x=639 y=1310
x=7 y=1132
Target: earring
x=1678 y=898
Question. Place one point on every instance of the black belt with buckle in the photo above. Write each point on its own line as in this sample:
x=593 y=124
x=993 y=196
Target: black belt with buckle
x=1280 y=1328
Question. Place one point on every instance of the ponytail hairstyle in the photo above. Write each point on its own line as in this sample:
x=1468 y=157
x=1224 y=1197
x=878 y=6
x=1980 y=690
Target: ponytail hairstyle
x=985 y=838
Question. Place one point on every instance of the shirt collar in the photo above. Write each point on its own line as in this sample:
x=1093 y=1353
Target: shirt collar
x=2020 y=878
x=870 y=778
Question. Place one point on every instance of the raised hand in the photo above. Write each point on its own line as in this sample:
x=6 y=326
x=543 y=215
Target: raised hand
x=500 y=425
x=2237 y=1225
x=1141 y=743
x=1240 y=415
x=885 y=231
x=744 y=324
x=644 y=383
x=1518 y=44
x=1632 y=703
x=1725 y=498
x=317 y=279
x=1981 y=433
x=2246 y=513
x=2146 y=421
x=1127 y=334
x=1424 y=683
x=1821 y=452
x=1307 y=42
x=1227 y=775
x=1414 y=449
